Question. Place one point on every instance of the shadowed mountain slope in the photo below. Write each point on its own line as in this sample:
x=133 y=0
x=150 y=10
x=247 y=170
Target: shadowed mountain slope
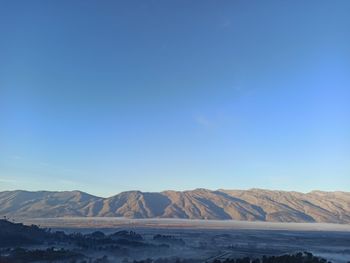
x=44 y=203
x=251 y=205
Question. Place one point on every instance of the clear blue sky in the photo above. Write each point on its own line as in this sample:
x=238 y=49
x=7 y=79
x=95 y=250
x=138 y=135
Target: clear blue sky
x=107 y=96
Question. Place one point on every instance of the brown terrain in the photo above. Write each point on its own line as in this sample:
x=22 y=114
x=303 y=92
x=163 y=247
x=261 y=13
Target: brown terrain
x=248 y=205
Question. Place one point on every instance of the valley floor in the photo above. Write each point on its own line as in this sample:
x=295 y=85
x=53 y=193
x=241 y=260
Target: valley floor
x=105 y=222
x=210 y=240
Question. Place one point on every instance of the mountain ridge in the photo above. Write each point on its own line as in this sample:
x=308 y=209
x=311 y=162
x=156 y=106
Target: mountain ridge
x=222 y=204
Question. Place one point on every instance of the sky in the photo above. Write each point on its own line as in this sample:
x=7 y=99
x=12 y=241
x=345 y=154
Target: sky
x=110 y=96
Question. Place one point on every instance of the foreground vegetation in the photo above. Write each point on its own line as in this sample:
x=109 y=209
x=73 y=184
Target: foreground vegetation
x=20 y=255
x=20 y=243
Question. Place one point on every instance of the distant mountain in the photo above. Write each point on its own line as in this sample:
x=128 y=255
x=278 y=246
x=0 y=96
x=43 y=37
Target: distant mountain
x=251 y=205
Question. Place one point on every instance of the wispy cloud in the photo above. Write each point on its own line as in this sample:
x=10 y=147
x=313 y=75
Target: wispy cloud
x=16 y=157
x=225 y=22
x=44 y=164
x=68 y=182
x=204 y=121
x=6 y=180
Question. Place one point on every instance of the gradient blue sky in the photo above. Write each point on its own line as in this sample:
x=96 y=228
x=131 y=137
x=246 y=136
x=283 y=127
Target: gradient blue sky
x=107 y=96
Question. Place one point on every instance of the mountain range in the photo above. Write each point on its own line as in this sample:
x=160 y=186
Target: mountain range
x=249 y=205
